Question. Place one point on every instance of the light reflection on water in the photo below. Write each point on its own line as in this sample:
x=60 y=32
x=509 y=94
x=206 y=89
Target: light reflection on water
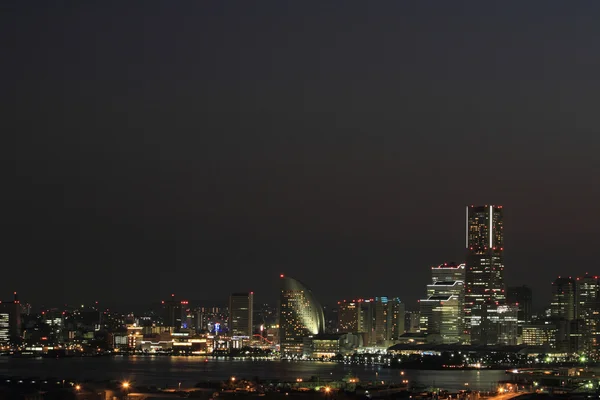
x=161 y=371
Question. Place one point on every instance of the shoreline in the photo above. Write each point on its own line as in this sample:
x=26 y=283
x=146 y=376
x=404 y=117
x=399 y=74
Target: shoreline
x=216 y=358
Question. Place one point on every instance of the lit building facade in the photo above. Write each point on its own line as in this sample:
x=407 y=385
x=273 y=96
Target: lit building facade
x=563 y=305
x=241 y=311
x=388 y=323
x=541 y=334
x=411 y=322
x=522 y=297
x=321 y=346
x=379 y=320
x=4 y=327
x=448 y=272
x=484 y=273
x=508 y=325
x=348 y=316
x=172 y=314
x=440 y=317
x=10 y=321
x=442 y=312
x=300 y=316
x=588 y=310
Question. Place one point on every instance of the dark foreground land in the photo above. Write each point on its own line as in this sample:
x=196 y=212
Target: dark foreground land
x=20 y=388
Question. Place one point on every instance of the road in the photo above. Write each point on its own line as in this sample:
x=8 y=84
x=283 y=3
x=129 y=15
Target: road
x=506 y=396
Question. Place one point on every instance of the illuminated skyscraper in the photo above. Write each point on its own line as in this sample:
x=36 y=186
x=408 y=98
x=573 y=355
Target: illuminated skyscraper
x=172 y=314
x=388 y=321
x=484 y=274
x=563 y=304
x=521 y=296
x=10 y=321
x=348 y=316
x=300 y=316
x=448 y=272
x=241 y=309
x=588 y=310
x=441 y=313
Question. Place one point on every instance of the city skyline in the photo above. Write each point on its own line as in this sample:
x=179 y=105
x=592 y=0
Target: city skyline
x=151 y=148
x=482 y=281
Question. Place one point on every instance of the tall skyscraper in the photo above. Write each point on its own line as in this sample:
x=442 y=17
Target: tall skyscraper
x=10 y=321
x=411 y=321
x=484 y=274
x=300 y=316
x=522 y=298
x=564 y=305
x=348 y=316
x=172 y=314
x=388 y=322
x=448 y=272
x=241 y=309
x=588 y=310
x=441 y=313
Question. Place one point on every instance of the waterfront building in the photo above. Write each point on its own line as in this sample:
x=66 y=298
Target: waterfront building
x=300 y=315
x=563 y=305
x=442 y=311
x=588 y=310
x=331 y=319
x=411 y=321
x=448 y=272
x=4 y=326
x=172 y=313
x=389 y=320
x=348 y=316
x=365 y=319
x=440 y=318
x=321 y=346
x=484 y=273
x=379 y=320
x=508 y=325
x=540 y=334
x=522 y=298
x=241 y=311
x=10 y=321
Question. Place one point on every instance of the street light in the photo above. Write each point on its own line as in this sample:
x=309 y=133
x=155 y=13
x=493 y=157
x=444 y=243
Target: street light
x=78 y=387
x=125 y=385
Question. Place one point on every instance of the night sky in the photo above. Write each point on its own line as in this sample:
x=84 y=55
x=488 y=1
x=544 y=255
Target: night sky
x=203 y=148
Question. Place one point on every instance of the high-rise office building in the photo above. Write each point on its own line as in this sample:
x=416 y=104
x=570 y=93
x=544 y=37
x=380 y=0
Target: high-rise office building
x=348 y=316
x=522 y=298
x=411 y=321
x=440 y=316
x=508 y=325
x=441 y=313
x=366 y=318
x=564 y=305
x=172 y=314
x=588 y=310
x=241 y=310
x=10 y=321
x=388 y=320
x=448 y=272
x=300 y=316
x=380 y=320
x=484 y=274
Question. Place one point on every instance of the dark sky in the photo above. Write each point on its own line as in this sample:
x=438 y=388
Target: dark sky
x=204 y=147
